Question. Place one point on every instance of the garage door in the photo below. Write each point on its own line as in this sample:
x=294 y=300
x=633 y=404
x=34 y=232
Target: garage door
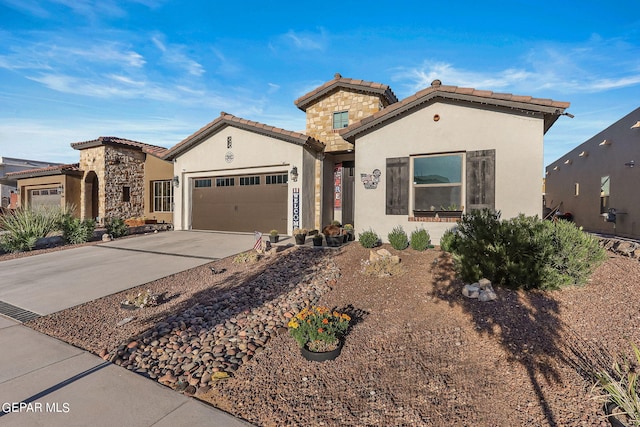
x=45 y=197
x=240 y=203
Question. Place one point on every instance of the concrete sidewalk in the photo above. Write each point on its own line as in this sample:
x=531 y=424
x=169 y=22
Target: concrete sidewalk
x=45 y=382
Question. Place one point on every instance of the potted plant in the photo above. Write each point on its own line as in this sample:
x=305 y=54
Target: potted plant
x=333 y=236
x=317 y=239
x=348 y=228
x=300 y=234
x=318 y=332
x=274 y=236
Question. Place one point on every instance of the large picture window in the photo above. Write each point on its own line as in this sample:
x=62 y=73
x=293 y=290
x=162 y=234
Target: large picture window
x=162 y=196
x=437 y=182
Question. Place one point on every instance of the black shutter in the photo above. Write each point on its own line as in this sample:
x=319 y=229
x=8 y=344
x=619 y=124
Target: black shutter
x=481 y=180
x=397 y=186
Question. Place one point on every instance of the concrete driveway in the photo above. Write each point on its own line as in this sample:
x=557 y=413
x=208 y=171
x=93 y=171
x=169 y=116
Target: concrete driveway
x=51 y=282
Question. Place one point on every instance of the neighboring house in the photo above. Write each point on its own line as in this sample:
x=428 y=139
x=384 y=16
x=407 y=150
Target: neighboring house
x=115 y=178
x=596 y=181
x=367 y=159
x=8 y=185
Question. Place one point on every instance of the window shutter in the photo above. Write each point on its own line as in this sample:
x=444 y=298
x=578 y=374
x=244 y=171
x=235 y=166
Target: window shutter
x=481 y=180
x=397 y=186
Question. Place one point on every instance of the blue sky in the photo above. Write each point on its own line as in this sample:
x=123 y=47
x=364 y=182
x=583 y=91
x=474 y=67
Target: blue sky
x=158 y=70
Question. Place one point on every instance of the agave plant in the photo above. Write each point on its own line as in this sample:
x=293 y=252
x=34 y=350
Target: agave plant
x=620 y=386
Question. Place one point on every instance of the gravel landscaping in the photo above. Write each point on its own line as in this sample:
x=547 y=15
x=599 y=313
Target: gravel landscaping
x=418 y=352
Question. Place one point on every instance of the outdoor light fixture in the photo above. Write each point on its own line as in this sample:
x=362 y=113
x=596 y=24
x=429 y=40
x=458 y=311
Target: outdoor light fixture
x=176 y=181
x=294 y=174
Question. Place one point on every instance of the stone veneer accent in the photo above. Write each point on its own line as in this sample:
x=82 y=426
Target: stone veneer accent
x=320 y=115
x=116 y=167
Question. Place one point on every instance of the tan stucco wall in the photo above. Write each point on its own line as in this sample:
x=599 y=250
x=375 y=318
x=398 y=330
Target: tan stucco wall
x=253 y=153
x=517 y=139
x=587 y=170
x=156 y=169
x=320 y=115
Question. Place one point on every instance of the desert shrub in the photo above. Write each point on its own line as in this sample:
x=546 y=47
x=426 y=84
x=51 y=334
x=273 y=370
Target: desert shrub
x=448 y=240
x=420 y=239
x=246 y=257
x=116 y=227
x=76 y=231
x=368 y=239
x=25 y=225
x=398 y=238
x=523 y=252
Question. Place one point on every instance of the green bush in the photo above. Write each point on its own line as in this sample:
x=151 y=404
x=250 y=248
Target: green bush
x=368 y=239
x=523 y=252
x=448 y=240
x=75 y=231
x=398 y=238
x=25 y=225
x=116 y=227
x=420 y=239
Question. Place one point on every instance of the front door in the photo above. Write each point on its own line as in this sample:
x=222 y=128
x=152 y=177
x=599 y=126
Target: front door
x=348 y=190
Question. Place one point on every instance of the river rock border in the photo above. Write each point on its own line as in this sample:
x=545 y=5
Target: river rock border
x=626 y=248
x=190 y=350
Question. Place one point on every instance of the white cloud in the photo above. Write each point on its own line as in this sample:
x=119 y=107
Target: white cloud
x=304 y=41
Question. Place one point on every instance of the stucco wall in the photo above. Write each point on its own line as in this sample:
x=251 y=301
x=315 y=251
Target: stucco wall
x=587 y=170
x=517 y=139
x=156 y=170
x=252 y=153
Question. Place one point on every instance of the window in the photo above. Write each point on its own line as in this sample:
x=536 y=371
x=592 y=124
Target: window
x=44 y=192
x=162 y=196
x=604 y=194
x=249 y=180
x=437 y=182
x=277 y=179
x=225 y=182
x=126 y=194
x=340 y=120
x=200 y=183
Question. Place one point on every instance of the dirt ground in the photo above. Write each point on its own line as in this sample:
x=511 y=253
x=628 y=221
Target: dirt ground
x=418 y=352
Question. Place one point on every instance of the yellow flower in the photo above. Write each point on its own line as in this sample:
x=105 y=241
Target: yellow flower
x=293 y=324
x=346 y=317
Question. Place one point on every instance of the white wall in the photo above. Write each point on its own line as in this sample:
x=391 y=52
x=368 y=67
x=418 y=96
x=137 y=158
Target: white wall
x=517 y=139
x=252 y=153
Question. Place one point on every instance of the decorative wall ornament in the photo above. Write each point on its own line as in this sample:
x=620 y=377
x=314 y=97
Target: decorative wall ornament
x=371 y=180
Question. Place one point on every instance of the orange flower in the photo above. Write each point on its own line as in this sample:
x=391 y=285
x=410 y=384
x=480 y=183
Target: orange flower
x=325 y=321
x=320 y=330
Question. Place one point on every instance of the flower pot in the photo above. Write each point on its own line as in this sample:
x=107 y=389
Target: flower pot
x=274 y=239
x=351 y=236
x=300 y=238
x=317 y=240
x=334 y=241
x=321 y=357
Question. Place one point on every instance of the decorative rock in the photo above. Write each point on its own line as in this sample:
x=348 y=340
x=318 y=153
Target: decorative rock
x=487 y=295
x=125 y=321
x=373 y=257
x=395 y=259
x=106 y=237
x=168 y=378
x=383 y=253
x=484 y=283
x=471 y=291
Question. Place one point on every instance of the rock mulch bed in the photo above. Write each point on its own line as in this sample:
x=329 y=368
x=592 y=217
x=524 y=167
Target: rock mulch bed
x=190 y=350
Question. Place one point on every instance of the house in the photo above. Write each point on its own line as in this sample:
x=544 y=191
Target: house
x=115 y=178
x=367 y=158
x=596 y=181
x=9 y=186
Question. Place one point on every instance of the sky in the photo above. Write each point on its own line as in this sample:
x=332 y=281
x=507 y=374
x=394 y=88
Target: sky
x=156 y=71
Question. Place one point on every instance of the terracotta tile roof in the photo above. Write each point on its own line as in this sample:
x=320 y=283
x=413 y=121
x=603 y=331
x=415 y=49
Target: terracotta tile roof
x=153 y=150
x=69 y=169
x=226 y=119
x=339 y=82
x=549 y=108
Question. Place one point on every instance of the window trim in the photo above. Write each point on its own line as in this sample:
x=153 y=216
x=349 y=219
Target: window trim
x=461 y=184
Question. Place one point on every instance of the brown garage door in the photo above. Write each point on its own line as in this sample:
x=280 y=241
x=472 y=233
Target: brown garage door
x=240 y=203
x=45 y=197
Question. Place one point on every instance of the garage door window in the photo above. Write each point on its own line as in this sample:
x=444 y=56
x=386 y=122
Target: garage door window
x=277 y=179
x=225 y=182
x=249 y=180
x=200 y=183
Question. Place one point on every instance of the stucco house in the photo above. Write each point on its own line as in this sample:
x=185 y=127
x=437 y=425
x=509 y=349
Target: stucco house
x=8 y=185
x=368 y=159
x=596 y=182
x=115 y=178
